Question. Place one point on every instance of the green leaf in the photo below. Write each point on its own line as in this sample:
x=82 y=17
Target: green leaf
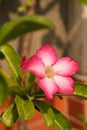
x=3 y=90
x=29 y=82
x=22 y=25
x=12 y=58
x=7 y=77
x=83 y=1
x=61 y=122
x=52 y=116
x=29 y=79
x=10 y=81
x=25 y=108
x=5 y=74
x=10 y=116
x=13 y=87
x=47 y=112
x=80 y=90
x=1 y=56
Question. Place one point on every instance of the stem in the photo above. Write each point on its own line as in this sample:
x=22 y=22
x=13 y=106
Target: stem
x=42 y=95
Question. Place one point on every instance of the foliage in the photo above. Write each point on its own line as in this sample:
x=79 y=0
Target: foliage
x=23 y=25
x=83 y=1
x=3 y=90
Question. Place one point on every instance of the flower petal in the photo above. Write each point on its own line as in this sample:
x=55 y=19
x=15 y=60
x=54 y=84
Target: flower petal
x=65 y=84
x=35 y=65
x=48 y=86
x=66 y=66
x=23 y=62
x=48 y=54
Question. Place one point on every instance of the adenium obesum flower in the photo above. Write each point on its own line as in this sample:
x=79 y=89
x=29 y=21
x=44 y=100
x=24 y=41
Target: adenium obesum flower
x=54 y=73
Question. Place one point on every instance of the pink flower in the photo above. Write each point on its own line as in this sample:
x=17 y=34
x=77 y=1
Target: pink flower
x=54 y=73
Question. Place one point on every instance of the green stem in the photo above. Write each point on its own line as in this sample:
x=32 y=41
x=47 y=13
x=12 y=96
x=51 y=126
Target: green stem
x=42 y=95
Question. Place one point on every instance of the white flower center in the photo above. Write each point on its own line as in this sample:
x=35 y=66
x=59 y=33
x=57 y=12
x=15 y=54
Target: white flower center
x=49 y=72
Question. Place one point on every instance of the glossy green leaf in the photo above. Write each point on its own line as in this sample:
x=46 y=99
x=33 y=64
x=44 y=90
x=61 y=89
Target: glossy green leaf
x=29 y=81
x=29 y=78
x=25 y=108
x=10 y=116
x=12 y=58
x=22 y=25
x=13 y=87
x=3 y=90
x=80 y=90
x=11 y=83
x=47 y=112
x=52 y=116
x=60 y=122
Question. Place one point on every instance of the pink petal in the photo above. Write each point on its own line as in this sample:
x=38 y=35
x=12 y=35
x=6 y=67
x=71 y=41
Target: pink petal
x=48 y=86
x=23 y=62
x=48 y=54
x=35 y=65
x=65 y=84
x=66 y=66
